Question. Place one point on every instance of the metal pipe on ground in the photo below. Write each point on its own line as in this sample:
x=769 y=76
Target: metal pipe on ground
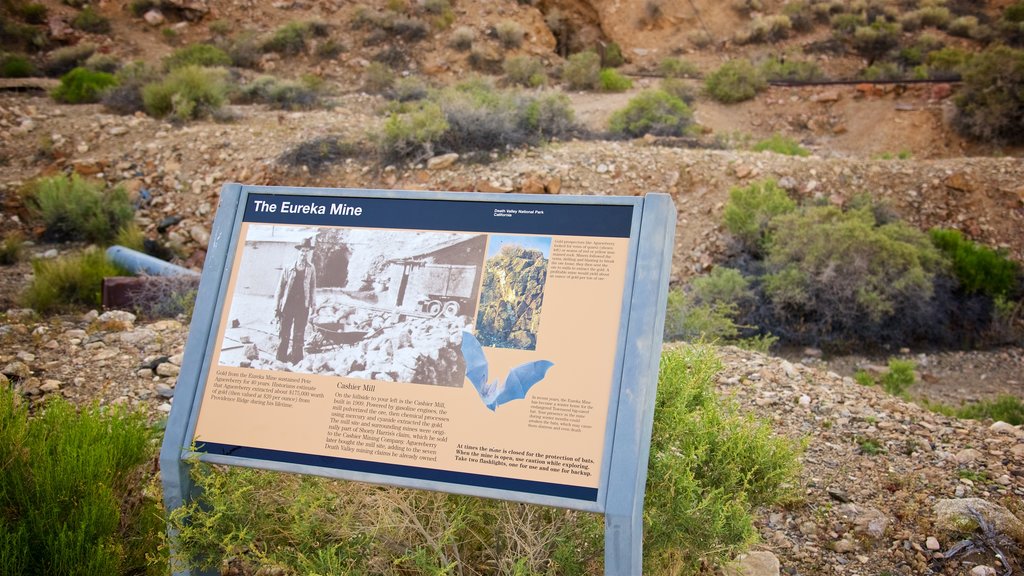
x=136 y=262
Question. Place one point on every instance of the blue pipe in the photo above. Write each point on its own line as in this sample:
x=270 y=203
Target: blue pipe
x=136 y=262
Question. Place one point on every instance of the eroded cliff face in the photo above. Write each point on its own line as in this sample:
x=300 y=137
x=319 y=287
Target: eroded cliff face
x=644 y=27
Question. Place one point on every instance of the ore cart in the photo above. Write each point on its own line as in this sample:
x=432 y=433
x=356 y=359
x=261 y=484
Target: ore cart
x=439 y=289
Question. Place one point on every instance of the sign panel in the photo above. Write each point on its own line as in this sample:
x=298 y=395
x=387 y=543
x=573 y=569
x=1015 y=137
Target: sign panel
x=472 y=343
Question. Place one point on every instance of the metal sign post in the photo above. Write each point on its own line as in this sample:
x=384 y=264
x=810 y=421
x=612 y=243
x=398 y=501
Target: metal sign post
x=495 y=345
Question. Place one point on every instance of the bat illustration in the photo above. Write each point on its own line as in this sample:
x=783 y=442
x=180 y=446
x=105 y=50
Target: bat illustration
x=514 y=387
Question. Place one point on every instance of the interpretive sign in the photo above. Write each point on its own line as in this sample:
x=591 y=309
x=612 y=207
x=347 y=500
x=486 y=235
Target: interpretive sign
x=495 y=345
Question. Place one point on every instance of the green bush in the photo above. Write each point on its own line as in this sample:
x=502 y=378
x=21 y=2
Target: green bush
x=990 y=104
x=413 y=134
x=510 y=34
x=525 y=71
x=33 y=13
x=289 y=39
x=790 y=70
x=379 y=78
x=750 y=211
x=977 y=268
x=69 y=283
x=204 y=55
x=779 y=144
x=710 y=467
x=610 y=80
x=582 y=71
x=846 y=23
x=103 y=63
x=767 y=29
x=735 y=81
x=15 y=66
x=876 y=40
x=708 y=310
x=83 y=86
x=63 y=60
x=245 y=50
x=11 y=248
x=408 y=89
x=679 y=88
x=948 y=59
x=1009 y=409
x=279 y=94
x=91 y=21
x=652 y=112
x=899 y=378
x=186 y=93
x=126 y=97
x=676 y=68
x=881 y=71
x=837 y=276
x=462 y=38
x=71 y=490
x=78 y=209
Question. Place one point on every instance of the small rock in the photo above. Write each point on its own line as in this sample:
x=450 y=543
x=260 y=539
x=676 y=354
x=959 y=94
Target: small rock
x=1005 y=428
x=843 y=546
x=165 y=407
x=961 y=515
x=932 y=543
x=25 y=356
x=117 y=318
x=163 y=390
x=983 y=570
x=16 y=370
x=50 y=386
x=443 y=161
x=167 y=370
x=967 y=455
x=866 y=520
x=758 y=563
x=153 y=18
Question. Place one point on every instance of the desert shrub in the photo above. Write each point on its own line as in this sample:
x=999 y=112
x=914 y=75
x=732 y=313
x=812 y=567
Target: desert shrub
x=1011 y=25
x=91 y=21
x=245 y=50
x=318 y=154
x=471 y=117
x=990 y=104
x=734 y=81
x=279 y=94
x=11 y=248
x=378 y=78
x=15 y=66
x=800 y=15
x=846 y=23
x=768 y=29
x=1009 y=409
x=510 y=34
x=441 y=12
x=413 y=134
x=103 y=63
x=837 y=277
x=751 y=209
x=548 y=115
x=330 y=49
x=652 y=112
x=610 y=80
x=409 y=29
x=525 y=71
x=63 y=60
x=709 y=308
x=289 y=39
x=966 y=27
x=710 y=467
x=73 y=208
x=874 y=41
x=205 y=55
x=937 y=16
x=789 y=70
x=779 y=144
x=582 y=71
x=948 y=59
x=186 y=93
x=676 y=68
x=899 y=377
x=82 y=86
x=138 y=8
x=882 y=71
x=680 y=89
x=126 y=97
x=408 y=89
x=462 y=38
x=69 y=282
x=611 y=55
x=977 y=268
x=72 y=490
x=33 y=13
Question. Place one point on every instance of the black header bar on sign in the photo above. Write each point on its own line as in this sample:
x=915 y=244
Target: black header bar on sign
x=611 y=221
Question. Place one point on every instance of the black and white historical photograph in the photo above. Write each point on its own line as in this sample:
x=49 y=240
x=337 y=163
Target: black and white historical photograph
x=371 y=304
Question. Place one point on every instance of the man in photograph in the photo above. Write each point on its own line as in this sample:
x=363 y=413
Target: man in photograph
x=294 y=301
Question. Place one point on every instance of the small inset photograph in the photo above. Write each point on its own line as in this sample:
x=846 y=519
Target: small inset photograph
x=370 y=304
x=513 y=291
